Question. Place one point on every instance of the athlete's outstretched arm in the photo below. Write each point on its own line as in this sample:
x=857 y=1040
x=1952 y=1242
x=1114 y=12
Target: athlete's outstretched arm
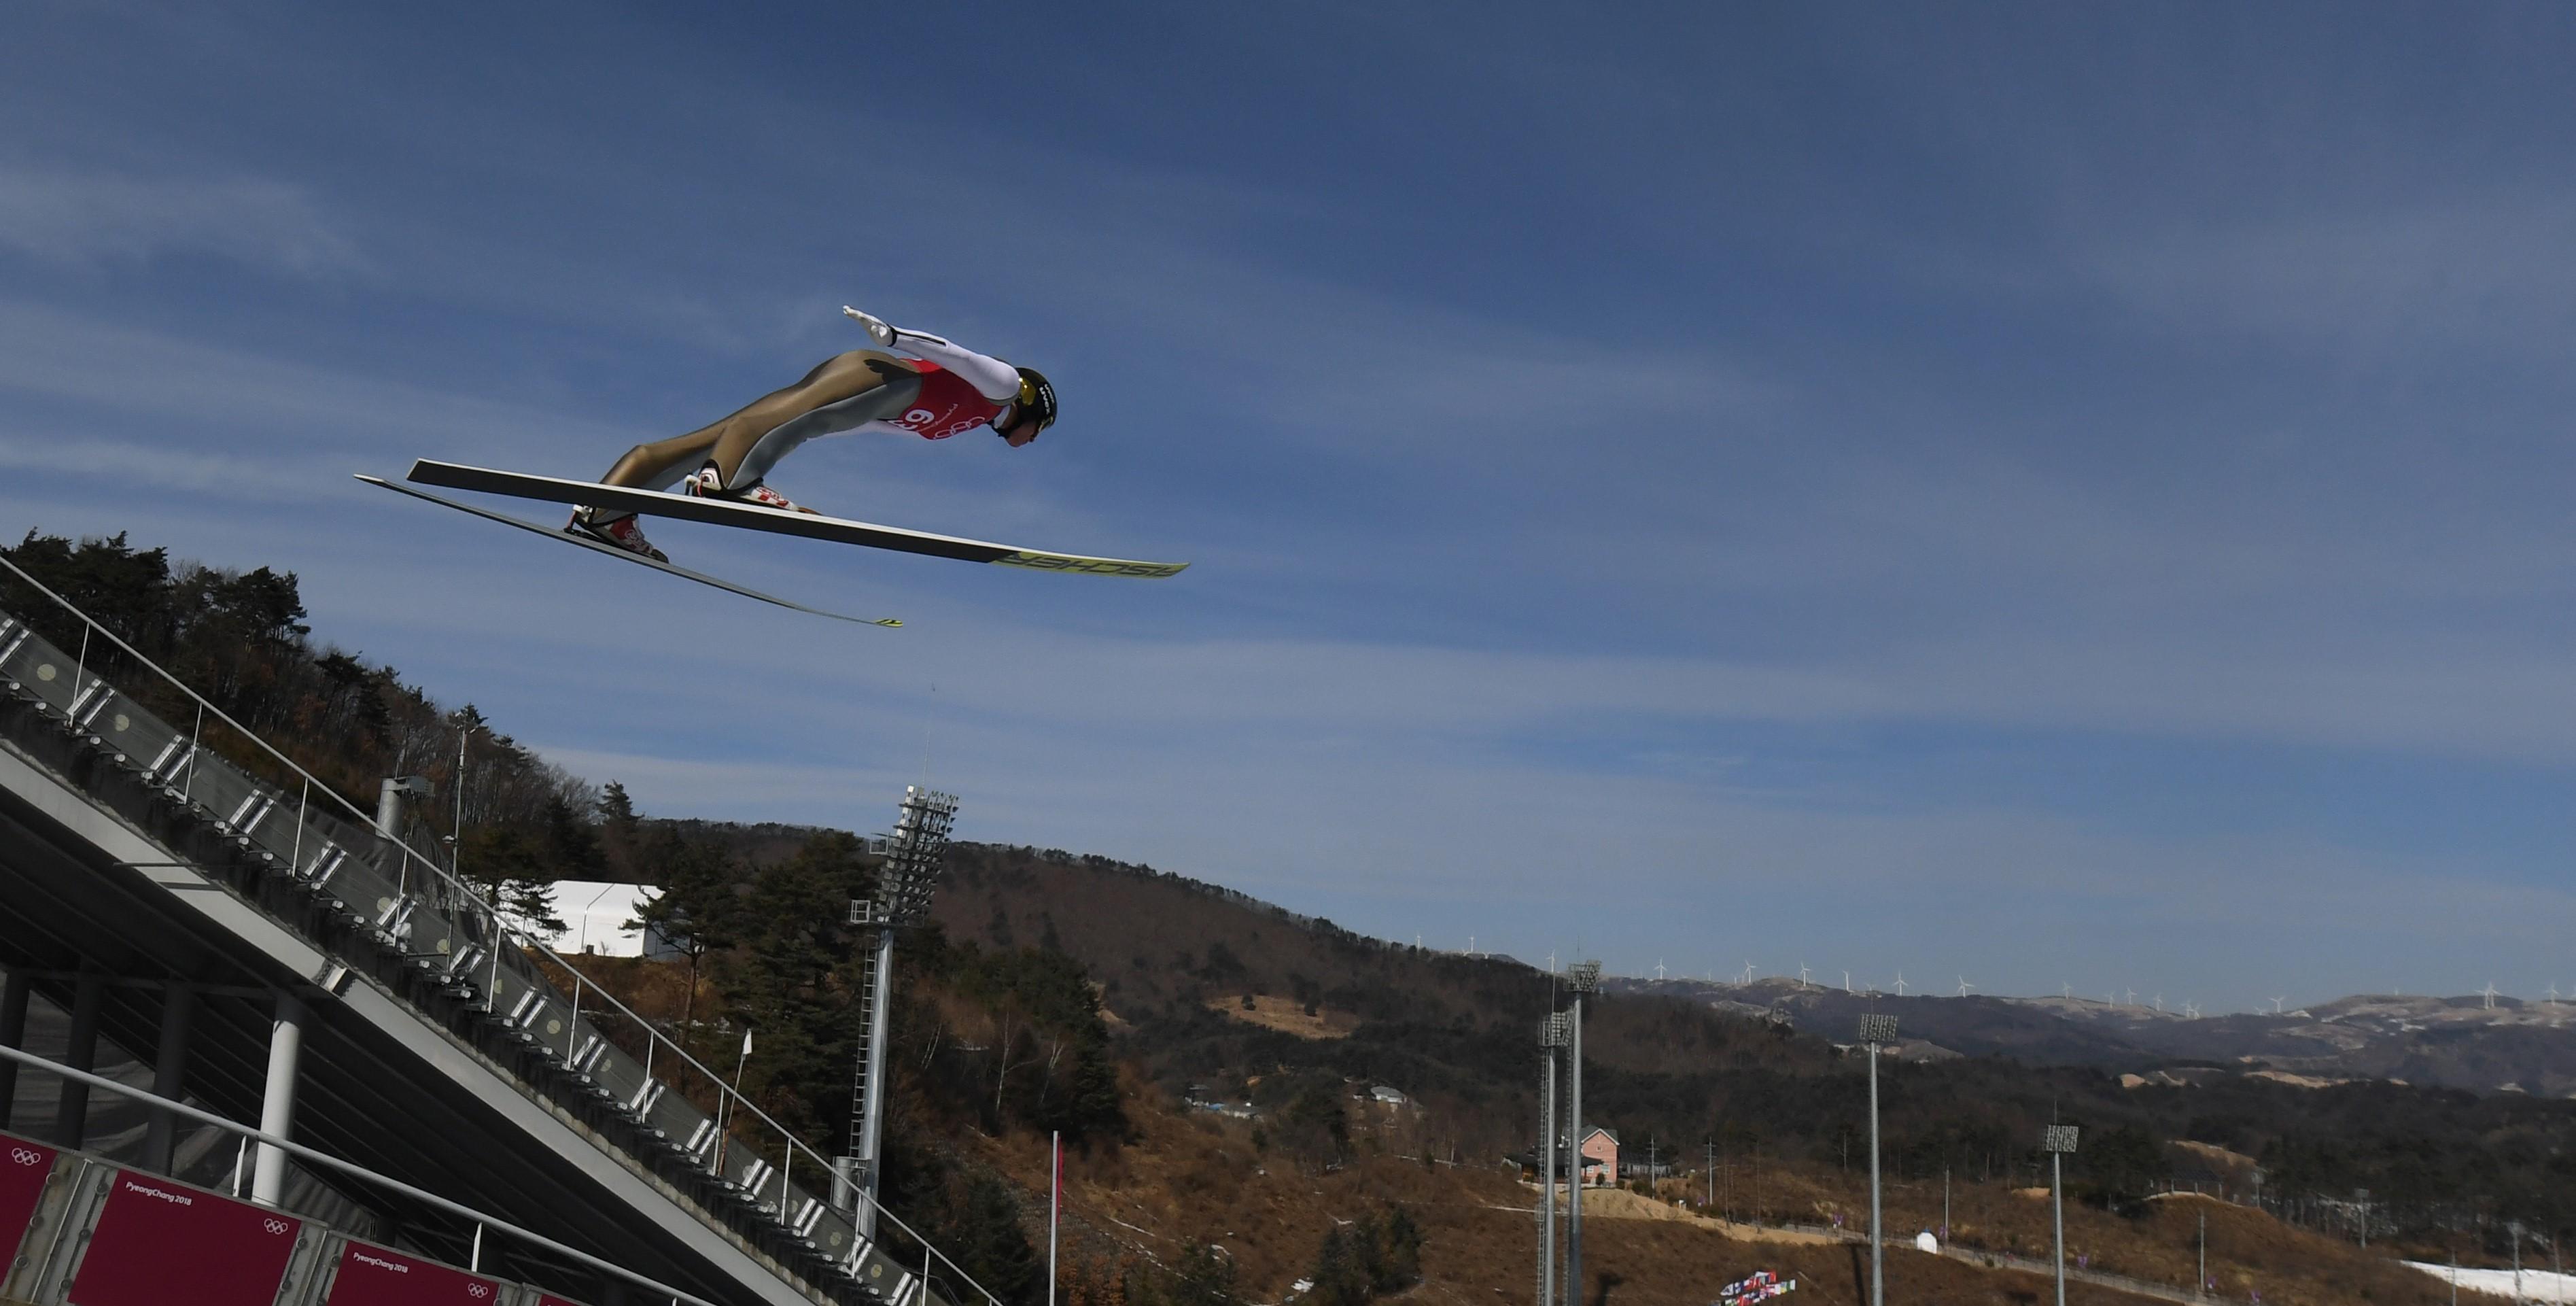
x=991 y=377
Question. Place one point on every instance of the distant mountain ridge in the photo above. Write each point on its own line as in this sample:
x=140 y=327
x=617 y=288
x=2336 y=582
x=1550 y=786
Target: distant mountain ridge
x=2515 y=1046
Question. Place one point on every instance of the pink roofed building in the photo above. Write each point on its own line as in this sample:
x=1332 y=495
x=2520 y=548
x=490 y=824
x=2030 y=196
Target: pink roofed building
x=1600 y=1157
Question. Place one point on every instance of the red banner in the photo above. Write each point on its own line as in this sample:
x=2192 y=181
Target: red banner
x=23 y=1167
x=158 y=1242
x=373 y=1276
x=546 y=1299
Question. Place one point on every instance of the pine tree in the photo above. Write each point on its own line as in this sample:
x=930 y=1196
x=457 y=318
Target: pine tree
x=1203 y=1276
x=792 y=974
x=698 y=911
x=618 y=826
x=984 y=1235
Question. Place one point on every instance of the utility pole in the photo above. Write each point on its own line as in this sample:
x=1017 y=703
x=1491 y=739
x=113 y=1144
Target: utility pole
x=2201 y=1284
x=1875 y=1030
x=1583 y=977
x=2058 y=1140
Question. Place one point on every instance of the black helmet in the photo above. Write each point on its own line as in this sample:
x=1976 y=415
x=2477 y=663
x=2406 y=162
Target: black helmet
x=1037 y=398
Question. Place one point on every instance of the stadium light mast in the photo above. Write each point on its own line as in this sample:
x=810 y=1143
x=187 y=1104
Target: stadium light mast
x=912 y=867
x=1583 y=977
x=1874 y=1031
x=2057 y=1141
x=1552 y=1035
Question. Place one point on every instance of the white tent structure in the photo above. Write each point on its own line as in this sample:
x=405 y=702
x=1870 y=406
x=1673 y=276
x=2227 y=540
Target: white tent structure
x=595 y=913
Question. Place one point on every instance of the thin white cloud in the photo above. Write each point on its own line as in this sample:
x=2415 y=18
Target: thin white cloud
x=68 y=217
x=2486 y=270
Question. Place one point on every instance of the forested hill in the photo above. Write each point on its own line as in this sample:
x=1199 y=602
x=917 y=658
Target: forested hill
x=1176 y=960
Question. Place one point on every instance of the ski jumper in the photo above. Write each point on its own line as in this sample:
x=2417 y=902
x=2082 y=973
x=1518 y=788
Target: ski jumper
x=942 y=390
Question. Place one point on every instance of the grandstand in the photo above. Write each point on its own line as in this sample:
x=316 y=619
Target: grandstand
x=204 y=946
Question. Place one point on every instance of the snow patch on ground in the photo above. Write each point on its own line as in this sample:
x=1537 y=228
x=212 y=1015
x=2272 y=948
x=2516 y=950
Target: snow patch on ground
x=2537 y=1285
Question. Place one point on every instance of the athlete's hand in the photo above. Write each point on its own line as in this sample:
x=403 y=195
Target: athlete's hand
x=878 y=329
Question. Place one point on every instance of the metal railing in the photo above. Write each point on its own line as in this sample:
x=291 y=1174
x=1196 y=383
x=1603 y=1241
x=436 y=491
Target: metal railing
x=483 y=952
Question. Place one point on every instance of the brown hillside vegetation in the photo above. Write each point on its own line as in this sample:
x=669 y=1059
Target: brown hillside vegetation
x=1201 y=1179
x=2249 y=1251
x=1286 y=1016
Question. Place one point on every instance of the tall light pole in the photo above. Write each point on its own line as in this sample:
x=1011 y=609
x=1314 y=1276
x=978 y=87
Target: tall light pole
x=1875 y=1030
x=1582 y=977
x=913 y=865
x=2058 y=1140
x=1552 y=1034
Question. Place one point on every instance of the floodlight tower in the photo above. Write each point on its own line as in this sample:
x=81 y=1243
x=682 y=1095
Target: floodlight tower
x=913 y=857
x=2057 y=1141
x=1583 y=977
x=1552 y=1035
x=1874 y=1031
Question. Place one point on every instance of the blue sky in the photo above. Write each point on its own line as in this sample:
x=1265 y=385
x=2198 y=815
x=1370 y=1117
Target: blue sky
x=2051 y=495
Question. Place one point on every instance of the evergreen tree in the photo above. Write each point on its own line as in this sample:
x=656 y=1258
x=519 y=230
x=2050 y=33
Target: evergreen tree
x=617 y=812
x=983 y=1235
x=698 y=911
x=792 y=975
x=1394 y=1251
x=1203 y=1276
x=1340 y=1274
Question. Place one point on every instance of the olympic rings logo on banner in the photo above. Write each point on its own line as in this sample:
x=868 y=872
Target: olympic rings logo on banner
x=274 y=1227
x=24 y=1156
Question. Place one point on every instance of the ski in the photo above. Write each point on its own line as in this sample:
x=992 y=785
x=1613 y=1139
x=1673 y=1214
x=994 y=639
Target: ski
x=456 y=476
x=613 y=551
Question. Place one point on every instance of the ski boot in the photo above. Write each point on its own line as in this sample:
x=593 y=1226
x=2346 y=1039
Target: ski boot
x=707 y=483
x=622 y=531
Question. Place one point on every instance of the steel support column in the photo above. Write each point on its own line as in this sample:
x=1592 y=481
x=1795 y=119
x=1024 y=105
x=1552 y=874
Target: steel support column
x=13 y=1033
x=277 y=1101
x=169 y=1074
x=71 y=1112
x=872 y=1119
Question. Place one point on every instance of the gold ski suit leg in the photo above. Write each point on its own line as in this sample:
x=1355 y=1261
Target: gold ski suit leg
x=844 y=392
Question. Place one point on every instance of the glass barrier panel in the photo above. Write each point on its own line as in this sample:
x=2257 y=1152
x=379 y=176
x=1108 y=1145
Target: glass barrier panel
x=39 y=667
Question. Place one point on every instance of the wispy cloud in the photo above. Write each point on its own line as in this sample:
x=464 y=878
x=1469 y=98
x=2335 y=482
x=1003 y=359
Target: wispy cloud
x=74 y=217
x=2486 y=271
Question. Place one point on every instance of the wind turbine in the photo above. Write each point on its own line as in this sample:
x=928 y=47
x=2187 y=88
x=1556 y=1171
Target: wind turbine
x=2133 y=997
x=1802 y=975
x=1748 y=972
x=1659 y=970
x=1964 y=986
x=2276 y=1006
x=2065 y=990
x=2160 y=1004
x=2490 y=991
x=1847 y=982
x=1900 y=983
x=2553 y=995
x=2190 y=1012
